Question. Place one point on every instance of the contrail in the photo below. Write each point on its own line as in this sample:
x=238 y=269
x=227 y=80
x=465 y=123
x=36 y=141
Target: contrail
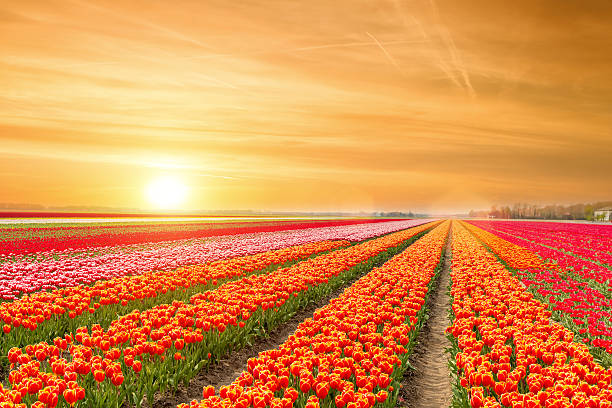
x=262 y=52
x=452 y=48
x=221 y=177
x=400 y=11
x=441 y=62
x=87 y=64
x=449 y=74
x=458 y=62
x=307 y=48
x=169 y=32
x=384 y=50
x=415 y=23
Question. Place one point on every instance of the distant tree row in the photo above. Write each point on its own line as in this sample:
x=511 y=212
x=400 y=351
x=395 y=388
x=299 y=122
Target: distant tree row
x=548 y=212
x=398 y=214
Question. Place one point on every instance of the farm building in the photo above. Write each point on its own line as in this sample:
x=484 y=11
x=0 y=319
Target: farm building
x=603 y=214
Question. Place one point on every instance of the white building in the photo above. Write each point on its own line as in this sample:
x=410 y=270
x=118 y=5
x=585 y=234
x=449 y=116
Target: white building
x=603 y=214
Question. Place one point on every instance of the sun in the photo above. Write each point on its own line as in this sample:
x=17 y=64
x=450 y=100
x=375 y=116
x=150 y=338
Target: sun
x=166 y=192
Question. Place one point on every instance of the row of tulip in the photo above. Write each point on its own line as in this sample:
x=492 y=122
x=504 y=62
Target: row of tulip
x=508 y=352
x=591 y=242
x=353 y=352
x=17 y=278
x=79 y=235
x=583 y=308
x=15 y=241
x=112 y=242
x=45 y=315
x=149 y=351
x=586 y=269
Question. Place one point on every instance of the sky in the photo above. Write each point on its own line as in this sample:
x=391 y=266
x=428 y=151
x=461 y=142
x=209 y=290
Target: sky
x=346 y=105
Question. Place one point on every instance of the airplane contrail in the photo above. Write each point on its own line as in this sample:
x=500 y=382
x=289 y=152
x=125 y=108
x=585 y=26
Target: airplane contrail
x=440 y=63
x=458 y=62
x=261 y=52
x=384 y=50
x=307 y=48
x=453 y=51
x=171 y=33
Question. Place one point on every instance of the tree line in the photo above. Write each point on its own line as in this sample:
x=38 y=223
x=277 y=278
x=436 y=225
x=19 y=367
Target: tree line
x=548 y=212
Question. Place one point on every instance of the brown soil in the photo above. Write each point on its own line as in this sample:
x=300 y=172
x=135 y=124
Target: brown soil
x=4 y=371
x=429 y=383
x=231 y=366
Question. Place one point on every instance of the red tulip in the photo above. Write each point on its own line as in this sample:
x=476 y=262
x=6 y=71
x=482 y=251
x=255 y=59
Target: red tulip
x=117 y=379
x=99 y=375
x=70 y=396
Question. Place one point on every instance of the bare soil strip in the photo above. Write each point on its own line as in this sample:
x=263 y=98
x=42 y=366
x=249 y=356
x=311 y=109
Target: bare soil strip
x=429 y=384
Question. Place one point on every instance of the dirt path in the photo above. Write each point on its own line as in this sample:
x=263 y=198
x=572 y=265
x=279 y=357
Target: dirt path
x=428 y=385
x=228 y=368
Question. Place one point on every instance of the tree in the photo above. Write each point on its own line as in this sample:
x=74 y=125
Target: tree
x=588 y=212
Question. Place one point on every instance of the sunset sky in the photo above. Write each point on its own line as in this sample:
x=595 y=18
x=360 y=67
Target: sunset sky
x=423 y=105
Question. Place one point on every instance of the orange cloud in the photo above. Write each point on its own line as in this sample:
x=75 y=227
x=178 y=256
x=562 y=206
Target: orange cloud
x=424 y=105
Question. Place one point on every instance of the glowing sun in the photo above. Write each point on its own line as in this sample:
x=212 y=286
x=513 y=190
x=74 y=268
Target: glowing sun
x=166 y=192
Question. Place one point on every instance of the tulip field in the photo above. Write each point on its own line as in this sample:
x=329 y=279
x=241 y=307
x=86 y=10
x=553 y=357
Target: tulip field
x=579 y=289
x=124 y=315
x=508 y=350
x=64 y=268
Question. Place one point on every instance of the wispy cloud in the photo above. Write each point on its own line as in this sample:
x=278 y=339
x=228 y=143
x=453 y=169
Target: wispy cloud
x=297 y=103
x=170 y=33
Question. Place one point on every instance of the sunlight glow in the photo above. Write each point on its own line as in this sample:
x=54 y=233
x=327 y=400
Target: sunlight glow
x=166 y=192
